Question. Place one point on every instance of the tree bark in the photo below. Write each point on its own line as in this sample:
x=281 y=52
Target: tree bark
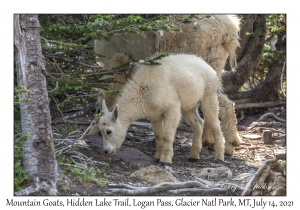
x=233 y=80
x=269 y=88
x=38 y=151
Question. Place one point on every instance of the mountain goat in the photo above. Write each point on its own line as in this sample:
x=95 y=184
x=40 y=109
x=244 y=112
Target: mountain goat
x=213 y=38
x=163 y=93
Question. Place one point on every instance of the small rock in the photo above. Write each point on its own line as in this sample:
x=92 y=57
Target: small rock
x=67 y=179
x=214 y=173
x=283 y=143
x=280 y=154
x=252 y=136
x=185 y=148
x=267 y=137
x=154 y=174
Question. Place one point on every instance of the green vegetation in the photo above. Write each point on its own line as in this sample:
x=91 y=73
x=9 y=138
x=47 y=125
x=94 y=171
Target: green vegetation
x=275 y=27
x=20 y=176
x=83 y=174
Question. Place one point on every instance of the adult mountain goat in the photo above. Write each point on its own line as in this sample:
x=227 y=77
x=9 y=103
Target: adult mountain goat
x=163 y=93
x=213 y=38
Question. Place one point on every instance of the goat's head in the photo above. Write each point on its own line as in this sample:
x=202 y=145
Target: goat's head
x=113 y=132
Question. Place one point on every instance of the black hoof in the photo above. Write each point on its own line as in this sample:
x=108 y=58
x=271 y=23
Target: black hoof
x=193 y=160
x=164 y=164
x=235 y=143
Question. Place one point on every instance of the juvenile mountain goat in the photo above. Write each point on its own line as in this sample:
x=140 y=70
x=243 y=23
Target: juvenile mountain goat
x=213 y=37
x=163 y=93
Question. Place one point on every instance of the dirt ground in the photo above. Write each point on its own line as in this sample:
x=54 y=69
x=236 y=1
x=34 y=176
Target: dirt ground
x=138 y=152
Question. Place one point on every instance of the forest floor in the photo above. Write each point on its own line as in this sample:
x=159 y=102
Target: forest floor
x=86 y=170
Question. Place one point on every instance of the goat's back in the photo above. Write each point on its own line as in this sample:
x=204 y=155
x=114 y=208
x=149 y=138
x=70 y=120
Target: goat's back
x=179 y=78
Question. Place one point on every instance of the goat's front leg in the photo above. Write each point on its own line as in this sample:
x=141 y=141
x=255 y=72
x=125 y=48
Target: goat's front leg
x=193 y=119
x=157 y=126
x=171 y=121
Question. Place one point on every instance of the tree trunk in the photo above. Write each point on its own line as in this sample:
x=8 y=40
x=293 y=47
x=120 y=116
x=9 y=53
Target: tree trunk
x=38 y=151
x=233 y=80
x=269 y=88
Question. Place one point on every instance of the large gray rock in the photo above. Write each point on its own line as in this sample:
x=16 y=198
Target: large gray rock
x=131 y=155
x=126 y=154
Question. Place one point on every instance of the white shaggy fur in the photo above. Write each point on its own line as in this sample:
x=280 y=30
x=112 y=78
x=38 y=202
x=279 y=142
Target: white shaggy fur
x=163 y=93
x=214 y=39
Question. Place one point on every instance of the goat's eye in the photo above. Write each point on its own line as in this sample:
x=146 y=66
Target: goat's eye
x=108 y=132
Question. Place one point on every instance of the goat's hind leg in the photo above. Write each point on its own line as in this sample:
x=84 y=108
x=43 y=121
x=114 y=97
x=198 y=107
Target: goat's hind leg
x=158 y=133
x=193 y=119
x=207 y=137
x=210 y=109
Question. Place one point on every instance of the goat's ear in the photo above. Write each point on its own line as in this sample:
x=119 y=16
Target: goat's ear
x=115 y=112
x=104 y=107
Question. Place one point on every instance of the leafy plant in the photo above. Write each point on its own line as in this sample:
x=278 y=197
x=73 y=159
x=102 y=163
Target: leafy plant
x=19 y=176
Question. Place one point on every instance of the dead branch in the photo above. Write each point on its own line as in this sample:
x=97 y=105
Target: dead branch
x=56 y=86
x=77 y=114
x=72 y=110
x=268 y=180
x=199 y=192
x=73 y=61
x=267 y=124
x=263 y=117
x=70 y=122
x=153 y=190
x=171 y=188
x=259 y=105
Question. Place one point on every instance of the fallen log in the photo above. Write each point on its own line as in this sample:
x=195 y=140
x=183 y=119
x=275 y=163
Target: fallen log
x=174 y=188
x=259 y=105
x=263 y=117
x=266 y=124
